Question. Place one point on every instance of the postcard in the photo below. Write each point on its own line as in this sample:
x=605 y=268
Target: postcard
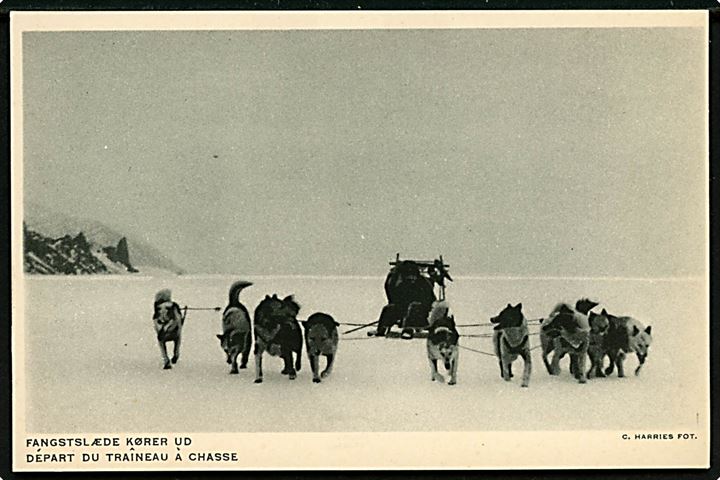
x=360 y=240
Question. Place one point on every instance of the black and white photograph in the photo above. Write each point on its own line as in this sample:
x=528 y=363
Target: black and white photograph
x=362 y=240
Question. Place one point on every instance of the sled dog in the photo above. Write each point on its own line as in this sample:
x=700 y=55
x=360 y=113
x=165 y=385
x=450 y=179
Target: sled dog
x=168 y=322
x=599 y=326
x=236 y=338
x=321 y=338
x=278 y=332
x=511 y=339
x=442 y=342
x=565 y=331
x=626 y=335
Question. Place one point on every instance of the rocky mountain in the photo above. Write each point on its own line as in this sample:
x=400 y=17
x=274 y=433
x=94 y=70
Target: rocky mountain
x=114 y=246
x=72 y=255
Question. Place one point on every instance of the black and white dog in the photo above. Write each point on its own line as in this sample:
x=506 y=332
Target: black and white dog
x=442 y=342
x=237 y=333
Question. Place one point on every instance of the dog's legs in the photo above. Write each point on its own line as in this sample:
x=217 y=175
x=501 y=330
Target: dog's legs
x=435 y=375
x=506 y=362
x=453 y=370
x=496 y=348
x=527 y=360
x=580 y=366
x=233 y=362
x=547 y=347
x=619 y=363
x=330 y=362
x=315 y=366
x=298 y=358
x=596 y=363
x=599 y=364
x=641 y=359
x=163 y=351
x=613 y=357
x=258 y=364
x=288 y=359
x=555 y=365
x=246 y=351
x=593 y=366
x=176 y=349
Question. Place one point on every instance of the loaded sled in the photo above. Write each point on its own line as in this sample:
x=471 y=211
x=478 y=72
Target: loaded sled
x=410 y=287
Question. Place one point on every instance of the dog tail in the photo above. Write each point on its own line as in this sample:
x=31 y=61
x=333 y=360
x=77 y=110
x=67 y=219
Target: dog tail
x=235 y=290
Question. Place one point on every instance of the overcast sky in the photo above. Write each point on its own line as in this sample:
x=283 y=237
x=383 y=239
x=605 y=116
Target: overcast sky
x=538 y=152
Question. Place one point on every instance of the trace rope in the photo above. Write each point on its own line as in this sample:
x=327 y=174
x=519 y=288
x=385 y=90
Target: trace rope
x=492 y=354
x=488 y=335
x=477 y=351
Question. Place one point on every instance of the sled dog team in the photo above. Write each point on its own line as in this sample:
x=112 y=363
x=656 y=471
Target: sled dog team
x=577 y=332
x=276 y=331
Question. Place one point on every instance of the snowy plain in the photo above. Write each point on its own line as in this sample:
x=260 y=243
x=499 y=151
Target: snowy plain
x=92 y=363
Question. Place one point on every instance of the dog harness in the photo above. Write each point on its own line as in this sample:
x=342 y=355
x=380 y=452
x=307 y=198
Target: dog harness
x=568 y=345
x=516 y=350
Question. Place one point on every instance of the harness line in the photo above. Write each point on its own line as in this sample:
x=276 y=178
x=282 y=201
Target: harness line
x=216 y=309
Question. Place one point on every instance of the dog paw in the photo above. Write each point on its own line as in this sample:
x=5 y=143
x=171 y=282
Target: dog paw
x=243 y=366
x=292 y=376
x=316 y=380
x=439 y=378
x=175 y=359
x=600 y=374
x=452 y=382
x=167 y=366
x=324 y=374
x=258 y=380
x=234 y=371
x=525 y=385
x=582 y=380
x=506 y=378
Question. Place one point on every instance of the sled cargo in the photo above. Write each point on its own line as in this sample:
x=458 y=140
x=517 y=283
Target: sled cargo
x=410 y=288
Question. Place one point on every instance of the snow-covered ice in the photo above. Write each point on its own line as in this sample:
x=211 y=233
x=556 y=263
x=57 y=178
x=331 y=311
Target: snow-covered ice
x=93 y=365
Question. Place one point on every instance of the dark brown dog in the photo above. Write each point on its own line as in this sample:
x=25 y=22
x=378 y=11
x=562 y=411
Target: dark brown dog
x=321 y=338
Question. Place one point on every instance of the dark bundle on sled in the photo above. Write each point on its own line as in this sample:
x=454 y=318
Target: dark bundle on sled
x=409 y=287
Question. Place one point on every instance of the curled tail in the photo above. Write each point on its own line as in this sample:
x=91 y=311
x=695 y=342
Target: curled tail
x=235 y=289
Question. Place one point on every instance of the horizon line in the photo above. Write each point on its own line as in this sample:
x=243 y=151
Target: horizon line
x=687 y=278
